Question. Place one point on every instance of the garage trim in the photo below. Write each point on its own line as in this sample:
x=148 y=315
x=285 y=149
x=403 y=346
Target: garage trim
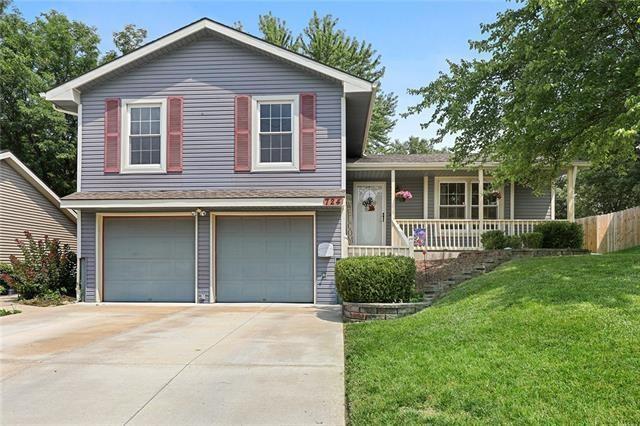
x=212 y=240
x=100 y=245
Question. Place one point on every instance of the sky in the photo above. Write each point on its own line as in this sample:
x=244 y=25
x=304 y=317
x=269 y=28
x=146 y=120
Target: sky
x=414 y=38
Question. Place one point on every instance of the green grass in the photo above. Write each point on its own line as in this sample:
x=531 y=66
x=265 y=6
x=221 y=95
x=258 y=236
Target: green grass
x=541 y=340
x=4 y=311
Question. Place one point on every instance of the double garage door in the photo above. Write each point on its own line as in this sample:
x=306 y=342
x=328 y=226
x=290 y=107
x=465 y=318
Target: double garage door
x=257 y=259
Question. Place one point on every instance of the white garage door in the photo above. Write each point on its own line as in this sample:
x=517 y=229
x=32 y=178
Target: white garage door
x=264 y=259
x=149 y=259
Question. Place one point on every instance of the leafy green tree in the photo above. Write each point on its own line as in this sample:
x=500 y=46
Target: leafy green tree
x=323 y=41
x=275 y=30
x=35 y=57
x=129 y=39
x=414 y=145
x=555 y=81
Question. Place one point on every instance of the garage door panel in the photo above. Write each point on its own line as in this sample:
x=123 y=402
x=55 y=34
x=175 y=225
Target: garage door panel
x=149 y=259
x=264 y=258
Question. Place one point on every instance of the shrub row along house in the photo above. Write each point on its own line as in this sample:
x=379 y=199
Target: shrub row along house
x=216 y=167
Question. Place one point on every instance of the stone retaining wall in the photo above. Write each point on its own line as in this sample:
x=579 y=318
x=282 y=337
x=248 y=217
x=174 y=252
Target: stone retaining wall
x=358 y=312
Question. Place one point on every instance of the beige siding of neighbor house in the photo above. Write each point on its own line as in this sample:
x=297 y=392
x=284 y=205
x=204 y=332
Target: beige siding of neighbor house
x=24 y=208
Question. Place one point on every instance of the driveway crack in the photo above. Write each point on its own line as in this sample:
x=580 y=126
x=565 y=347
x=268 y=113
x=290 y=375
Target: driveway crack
x=213 y=345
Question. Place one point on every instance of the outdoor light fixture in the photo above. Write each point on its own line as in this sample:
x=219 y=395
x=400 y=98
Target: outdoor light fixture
x=198 y=212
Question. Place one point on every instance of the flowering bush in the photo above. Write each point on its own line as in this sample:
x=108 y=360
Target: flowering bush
x=404 y=195
x=46 y=267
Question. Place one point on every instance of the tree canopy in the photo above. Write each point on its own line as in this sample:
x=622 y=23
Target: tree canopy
x=323 y=41
x=555 y=81
x=413 y=145
x=129 y=39
x=35 y=57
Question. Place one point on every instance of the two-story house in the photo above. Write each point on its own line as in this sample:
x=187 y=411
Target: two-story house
x=216 y=167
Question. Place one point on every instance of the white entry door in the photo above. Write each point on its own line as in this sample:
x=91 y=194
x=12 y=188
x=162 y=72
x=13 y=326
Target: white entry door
x=370 y=213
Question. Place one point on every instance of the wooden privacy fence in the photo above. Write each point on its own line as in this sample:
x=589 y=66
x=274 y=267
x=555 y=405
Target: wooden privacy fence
x=611 y=232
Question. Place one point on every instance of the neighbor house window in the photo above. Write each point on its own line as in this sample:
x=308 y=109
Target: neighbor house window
x=275 y=138
x=144 y=136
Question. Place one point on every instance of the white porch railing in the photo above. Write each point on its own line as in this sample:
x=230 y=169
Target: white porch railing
x=401 y=245
x=446 y=234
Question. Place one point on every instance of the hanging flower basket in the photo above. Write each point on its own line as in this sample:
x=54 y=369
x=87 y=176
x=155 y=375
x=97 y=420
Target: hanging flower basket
x=403 y=195
x=493 y=194
x=369 y=203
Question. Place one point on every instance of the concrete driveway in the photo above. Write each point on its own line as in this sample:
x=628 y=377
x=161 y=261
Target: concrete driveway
x=172 y=364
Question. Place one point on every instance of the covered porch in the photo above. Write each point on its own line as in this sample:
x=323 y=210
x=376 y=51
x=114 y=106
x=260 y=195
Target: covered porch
x=398 y=204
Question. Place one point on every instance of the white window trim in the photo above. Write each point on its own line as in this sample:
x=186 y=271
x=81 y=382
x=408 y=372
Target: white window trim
x=467 y=180
x=125 y=161
x=256 y=164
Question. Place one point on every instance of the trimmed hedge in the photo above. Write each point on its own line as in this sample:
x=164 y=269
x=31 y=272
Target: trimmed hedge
x=493 y=240
x=513 y=241
x=532 y=240
x=560 y=234
x=376 y=279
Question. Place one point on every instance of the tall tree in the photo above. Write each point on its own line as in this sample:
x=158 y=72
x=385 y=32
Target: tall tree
x=33 y=58
x=323 y=41
x=275 y=30
x=129 y=39
x=414 y=145
x=555 y=81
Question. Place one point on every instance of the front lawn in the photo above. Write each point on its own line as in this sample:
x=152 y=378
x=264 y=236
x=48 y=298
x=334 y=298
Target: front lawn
x=536 y=341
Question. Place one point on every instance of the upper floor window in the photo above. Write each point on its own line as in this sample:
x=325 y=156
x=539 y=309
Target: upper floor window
x=275 y=138
x=144 y=136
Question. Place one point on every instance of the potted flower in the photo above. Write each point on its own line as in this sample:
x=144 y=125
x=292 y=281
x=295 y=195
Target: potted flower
x=403 y=195
x=493 y=194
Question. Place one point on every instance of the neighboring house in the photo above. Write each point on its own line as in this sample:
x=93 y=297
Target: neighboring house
x=212 y=167
x=27 y=204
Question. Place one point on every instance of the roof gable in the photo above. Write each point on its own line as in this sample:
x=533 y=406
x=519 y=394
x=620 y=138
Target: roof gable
x=35 y=181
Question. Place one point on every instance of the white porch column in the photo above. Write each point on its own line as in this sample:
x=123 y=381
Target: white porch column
x=481 y=198
x=571 y=189
x=553 y=201
x=512 y=205
x=393 y=194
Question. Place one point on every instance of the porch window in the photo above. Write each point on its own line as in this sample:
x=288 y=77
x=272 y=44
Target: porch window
x=452 y=200
x=490 y=202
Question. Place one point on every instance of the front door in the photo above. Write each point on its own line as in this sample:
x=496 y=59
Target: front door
x=369 y=211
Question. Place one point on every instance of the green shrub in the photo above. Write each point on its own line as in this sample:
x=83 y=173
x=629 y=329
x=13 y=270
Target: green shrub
x=46 y=267
x=5 y=268
x=532 y=240
x=493 y=240
x=513 y=241
x=560 y=234
x=376 y=279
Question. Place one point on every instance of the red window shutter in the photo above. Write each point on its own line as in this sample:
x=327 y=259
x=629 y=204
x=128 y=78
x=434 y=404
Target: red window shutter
x=174 y=133
x=242 y=152
x=112 y=135
x=307 y=131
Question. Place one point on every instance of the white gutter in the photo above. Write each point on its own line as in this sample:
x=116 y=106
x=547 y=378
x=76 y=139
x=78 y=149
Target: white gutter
x=194 y=203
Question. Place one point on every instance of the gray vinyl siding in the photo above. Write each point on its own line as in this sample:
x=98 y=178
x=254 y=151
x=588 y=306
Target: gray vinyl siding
x=24 y=208
x=204 y=256
x=88 y=252
x=531 y=206
x=411 y=209
x=208 y=73
x=327 y=231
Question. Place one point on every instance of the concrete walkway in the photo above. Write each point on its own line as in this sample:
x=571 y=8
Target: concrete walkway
x=172 y=364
